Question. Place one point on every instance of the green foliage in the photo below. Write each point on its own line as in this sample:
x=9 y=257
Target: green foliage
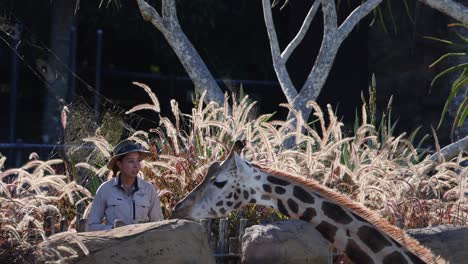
x=382 y=14
x=460 y=82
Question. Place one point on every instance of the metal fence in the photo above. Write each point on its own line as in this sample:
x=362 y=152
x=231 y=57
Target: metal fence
x=17 y=150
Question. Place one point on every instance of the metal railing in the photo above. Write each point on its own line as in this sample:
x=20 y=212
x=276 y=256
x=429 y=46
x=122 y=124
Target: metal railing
x=14 y=145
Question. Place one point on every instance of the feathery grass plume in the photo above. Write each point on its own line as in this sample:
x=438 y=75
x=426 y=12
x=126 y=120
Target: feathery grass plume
x=176 y=112
x=154 y=107
x=385 y=172
x=101 y=144
x=27 y=196
x=141 y=137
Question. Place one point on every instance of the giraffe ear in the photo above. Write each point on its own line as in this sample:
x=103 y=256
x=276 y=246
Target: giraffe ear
x=236 y=148
x=241 y=165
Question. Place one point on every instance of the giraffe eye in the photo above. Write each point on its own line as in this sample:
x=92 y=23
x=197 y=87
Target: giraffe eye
x=220 y=185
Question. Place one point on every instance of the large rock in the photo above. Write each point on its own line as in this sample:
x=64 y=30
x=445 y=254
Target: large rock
x=448 y=241
x=298 y=242
x=170 y=241
x=284 y=242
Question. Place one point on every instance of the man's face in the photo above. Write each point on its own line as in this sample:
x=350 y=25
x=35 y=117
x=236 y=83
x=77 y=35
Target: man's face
x=130 y=164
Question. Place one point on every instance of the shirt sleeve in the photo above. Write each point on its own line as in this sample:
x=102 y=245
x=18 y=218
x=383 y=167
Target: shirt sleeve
x=96 y=213
x=155 y=212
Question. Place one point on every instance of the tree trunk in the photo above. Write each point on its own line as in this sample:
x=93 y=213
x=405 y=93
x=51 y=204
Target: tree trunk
x=168 y=24
x=54 y=70
x=194 y=65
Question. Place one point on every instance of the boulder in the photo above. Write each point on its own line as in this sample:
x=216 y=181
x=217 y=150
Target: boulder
x=169 y=241
x=298 y=242
x=448 y=241
x=284 y=242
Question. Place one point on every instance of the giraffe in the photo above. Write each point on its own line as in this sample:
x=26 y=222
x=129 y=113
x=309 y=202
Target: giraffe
x=363 y=236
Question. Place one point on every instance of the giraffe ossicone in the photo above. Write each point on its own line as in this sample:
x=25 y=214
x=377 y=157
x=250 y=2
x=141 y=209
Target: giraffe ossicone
x=363 y=236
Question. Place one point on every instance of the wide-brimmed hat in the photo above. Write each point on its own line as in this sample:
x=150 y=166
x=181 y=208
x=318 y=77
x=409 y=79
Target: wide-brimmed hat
x=125 y=147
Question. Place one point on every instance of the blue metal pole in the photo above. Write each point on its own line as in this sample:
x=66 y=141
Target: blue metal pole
x=98 y=72
x=14 y=86
x=72 y=65
x=14 y=90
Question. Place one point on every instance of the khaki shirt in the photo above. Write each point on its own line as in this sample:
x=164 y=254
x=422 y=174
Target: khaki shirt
x=113 y=202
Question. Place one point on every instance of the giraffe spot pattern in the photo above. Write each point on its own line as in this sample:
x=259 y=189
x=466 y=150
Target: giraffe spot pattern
x=267 y=188
x=257 y=178
x=219 y=203
x=327 y=230
x=308 y=214
x=348 y=234
x=246 y=194
x=229 y=203
x=354 y=253
x=372 y=238
x=265 y=197
x=336 y=213
x=236 y=196
x=277 y=181
x=252 y=191
x=415 y=259
x=252 y=201
x=238 y=191
x=293 y=205
x=280 y=190
x=394 y=257
x=222 y=211
x=303 y=195
x=282 y=209
x=237 y=205
x=229 y=196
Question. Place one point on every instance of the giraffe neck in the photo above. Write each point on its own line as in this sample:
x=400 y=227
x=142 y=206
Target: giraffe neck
x=351 y=228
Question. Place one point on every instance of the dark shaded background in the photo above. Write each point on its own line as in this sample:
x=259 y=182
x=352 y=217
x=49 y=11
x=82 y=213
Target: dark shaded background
x=231 y=37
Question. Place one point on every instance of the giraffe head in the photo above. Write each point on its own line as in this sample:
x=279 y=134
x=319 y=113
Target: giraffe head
x=224 y=189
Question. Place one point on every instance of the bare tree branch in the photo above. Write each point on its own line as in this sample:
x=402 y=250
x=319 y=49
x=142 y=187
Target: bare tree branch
x=333 y=36
x=302 y=32
x=331 y=42
x=329 y=12
x=279 y=63
x=169 y=26
x=151 y=15
x=451 y=151
x=169 y=10
x=451 y=8
x=324 y=61
x=357 y=15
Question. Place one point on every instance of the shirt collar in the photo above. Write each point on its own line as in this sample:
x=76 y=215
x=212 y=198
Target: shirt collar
x=118 y=182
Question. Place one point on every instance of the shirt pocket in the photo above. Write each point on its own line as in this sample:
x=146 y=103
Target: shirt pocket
x=115 y=210
x=142 y=206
